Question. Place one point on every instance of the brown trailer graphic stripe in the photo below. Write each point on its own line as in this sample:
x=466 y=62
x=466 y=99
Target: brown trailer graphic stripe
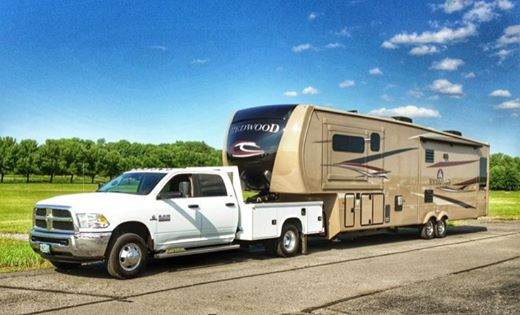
x=378 y=156
x=455 y=201
x=454 y=163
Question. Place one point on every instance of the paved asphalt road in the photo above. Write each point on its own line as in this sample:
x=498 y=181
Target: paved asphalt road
x=476 y=268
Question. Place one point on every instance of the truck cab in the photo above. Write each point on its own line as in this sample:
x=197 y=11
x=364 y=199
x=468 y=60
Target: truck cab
x=164 y=213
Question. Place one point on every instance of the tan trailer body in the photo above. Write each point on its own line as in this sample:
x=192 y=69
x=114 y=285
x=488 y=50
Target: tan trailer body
x=376 y=172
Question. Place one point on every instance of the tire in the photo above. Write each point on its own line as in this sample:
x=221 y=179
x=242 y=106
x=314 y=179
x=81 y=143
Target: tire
x=127 y=257
x=288 y=244
x=440 y=228
x=65 y=265
x=428 y=230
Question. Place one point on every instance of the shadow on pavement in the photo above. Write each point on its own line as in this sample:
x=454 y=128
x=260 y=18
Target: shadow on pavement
x=256 y=252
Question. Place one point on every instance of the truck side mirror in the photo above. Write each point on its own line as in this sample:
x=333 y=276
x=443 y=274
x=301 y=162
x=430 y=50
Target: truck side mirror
x=169 y=195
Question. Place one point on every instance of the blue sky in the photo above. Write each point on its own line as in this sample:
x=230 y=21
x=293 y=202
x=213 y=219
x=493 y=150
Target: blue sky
x=165 y=71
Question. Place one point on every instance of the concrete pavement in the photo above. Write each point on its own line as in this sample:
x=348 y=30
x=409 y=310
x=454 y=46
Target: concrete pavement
x=474 y=269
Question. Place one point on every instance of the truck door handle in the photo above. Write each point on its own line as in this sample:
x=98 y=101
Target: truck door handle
x=230 y=204
x=193 y=206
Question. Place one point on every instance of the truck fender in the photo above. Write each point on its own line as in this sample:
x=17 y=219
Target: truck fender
x=442 y=214
x=294 y=220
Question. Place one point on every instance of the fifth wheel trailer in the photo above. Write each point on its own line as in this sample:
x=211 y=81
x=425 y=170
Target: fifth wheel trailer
x=370 y=172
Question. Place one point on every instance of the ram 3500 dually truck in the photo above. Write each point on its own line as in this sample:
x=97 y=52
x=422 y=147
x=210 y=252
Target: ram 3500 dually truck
x=165 y=213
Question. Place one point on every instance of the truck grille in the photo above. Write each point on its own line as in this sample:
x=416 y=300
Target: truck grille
x=53 y=219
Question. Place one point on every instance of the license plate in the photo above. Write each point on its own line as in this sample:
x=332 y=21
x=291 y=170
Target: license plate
x=45 y=248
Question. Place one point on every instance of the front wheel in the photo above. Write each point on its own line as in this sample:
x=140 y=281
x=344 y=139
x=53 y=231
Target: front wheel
x=127 y=256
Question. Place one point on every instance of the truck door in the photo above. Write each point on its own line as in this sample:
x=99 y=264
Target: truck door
x=217 y=208
x=178 y=222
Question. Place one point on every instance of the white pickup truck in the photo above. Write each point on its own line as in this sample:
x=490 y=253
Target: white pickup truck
x=164 y=213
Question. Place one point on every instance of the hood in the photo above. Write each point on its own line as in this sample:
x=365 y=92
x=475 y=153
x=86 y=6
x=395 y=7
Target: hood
x=95 y=201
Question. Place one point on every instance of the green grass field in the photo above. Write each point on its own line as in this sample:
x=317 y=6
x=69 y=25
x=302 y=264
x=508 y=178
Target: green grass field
x=18 y=256
x=17 y=201
x=504 y=205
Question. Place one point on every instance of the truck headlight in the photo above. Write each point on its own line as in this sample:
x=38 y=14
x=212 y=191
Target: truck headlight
x=92 y=220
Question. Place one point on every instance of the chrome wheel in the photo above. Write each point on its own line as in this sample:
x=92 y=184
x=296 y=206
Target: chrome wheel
x=441 y=227
x=429 y=228
x=130 y=256
x=289 y=241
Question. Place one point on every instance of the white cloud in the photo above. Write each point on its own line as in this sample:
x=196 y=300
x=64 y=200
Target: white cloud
x=290 y=93
x=344 y=32
x=445 y=35
x=386 y=97
x=447 y=64
x=312 y=16
x=303 y=47
x=415 y=93
x=347 y=83
x=511 y=36
x=470 y=75
x=504 y=4
x=445 y=87
x=500 y=93
x=480 y=12
x=375 y=71
x=408 y=111
x=310 y=91
x=513 y=104
x=158 y=47
x=503 y=54
x=334 y=45
x=451 y=6
x=388 y=45
x=424 y=50
x=199 y=61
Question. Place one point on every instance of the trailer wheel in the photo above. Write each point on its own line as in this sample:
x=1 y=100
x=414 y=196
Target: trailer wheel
x=127 y=256
x=428 y=230
x=289 y=242
x=440 y=228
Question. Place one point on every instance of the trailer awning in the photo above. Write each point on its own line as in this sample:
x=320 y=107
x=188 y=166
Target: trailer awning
x=447 y=139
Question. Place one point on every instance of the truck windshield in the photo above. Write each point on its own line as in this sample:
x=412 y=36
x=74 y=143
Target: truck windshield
x=133 y=183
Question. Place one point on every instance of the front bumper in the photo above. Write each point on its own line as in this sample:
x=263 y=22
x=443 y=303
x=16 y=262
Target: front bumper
x=75 y=246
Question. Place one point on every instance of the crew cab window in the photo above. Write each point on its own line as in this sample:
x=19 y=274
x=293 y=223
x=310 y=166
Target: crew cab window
x=210 y=185
x=182 y=183
x=344 y=143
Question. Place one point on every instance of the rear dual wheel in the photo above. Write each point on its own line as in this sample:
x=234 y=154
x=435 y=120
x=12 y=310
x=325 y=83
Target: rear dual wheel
x=288 y=244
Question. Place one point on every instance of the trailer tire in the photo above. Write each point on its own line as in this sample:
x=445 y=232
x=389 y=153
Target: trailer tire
x=289 y=242
x=428 y=230
x=127 y=256
x=440 y=228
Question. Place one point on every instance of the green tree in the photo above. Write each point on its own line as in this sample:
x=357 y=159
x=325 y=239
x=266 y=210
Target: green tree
x=50 y=153
x=27 y=158
x=7 y=146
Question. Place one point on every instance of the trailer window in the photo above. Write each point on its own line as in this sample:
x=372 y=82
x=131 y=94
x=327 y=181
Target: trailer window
x=429 y=156
x=211 y=185
x=375 y=141
x=344 y=143
x=483 y=172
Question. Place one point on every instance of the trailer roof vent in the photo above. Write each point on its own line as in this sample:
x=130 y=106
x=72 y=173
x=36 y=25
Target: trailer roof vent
x=403 y=118
x=353 y=111
x=454 y=132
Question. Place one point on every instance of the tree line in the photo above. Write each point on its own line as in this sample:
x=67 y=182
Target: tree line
x=505 y=172
x=79 y=157
x=76 y=156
